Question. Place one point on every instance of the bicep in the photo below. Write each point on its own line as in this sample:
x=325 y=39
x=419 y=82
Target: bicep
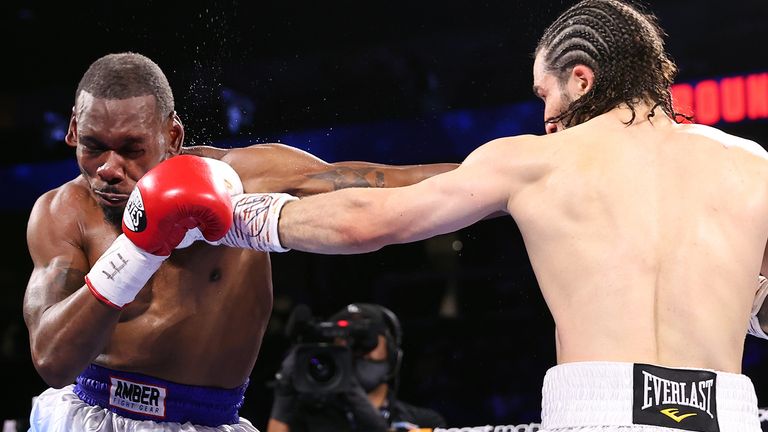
x=264 y=167
x=480 y=188
x=278 y=168
x=59 y=266
x=444 y=203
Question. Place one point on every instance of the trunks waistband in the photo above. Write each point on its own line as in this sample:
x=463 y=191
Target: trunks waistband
x=624 y=394
x=142 y=397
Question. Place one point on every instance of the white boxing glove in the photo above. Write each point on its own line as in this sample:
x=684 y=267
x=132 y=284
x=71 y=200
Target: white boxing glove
x=755 y=329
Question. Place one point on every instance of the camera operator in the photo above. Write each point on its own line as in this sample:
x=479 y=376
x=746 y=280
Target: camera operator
x=366 y=400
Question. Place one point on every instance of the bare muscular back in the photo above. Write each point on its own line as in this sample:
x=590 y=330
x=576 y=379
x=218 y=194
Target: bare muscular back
x=647 y=240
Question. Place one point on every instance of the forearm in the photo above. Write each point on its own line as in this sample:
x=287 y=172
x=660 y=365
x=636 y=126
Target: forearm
x=69 y=335
x=357 y=220
x=321 y=224
x=69 y=323
x=380 y=175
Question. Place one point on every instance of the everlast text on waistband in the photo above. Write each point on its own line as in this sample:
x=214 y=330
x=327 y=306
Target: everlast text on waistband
x=677 y=398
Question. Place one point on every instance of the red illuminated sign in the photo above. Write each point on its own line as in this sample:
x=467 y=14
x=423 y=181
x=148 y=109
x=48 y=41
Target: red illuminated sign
x=730 y=100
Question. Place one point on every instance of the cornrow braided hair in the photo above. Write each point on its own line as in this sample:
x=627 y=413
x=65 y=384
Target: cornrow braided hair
x=625 y=49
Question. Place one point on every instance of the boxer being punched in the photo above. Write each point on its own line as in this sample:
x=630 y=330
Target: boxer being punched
x=646 y=235
x=155 y=336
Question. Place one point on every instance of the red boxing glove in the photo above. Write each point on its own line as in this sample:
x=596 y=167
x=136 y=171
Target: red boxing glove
x=177 y=195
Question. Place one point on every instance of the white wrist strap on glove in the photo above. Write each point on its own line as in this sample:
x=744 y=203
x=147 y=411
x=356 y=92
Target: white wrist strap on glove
x=754 y=323
x=254 y=221
x=254 y=216
x=121 y=272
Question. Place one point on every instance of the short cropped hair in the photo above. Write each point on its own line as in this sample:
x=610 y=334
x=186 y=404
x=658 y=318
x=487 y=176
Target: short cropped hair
x=126 y=75
x=623 y=45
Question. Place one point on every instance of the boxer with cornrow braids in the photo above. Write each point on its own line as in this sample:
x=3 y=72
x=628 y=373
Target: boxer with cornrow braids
x=647 y=236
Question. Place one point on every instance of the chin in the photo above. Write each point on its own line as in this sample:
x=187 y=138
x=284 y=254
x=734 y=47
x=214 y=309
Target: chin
x=113 y=215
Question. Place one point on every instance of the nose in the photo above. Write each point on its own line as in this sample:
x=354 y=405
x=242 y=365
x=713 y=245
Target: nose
x=112 y=170
x=550 y=128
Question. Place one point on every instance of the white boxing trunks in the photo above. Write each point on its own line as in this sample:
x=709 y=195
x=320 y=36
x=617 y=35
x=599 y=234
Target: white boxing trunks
x=106 y=400
x=612 y=396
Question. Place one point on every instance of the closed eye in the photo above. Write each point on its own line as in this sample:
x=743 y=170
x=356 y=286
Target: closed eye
x=91 y=145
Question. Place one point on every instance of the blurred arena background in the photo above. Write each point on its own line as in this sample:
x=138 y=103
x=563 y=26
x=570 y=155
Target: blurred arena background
x=392 y=82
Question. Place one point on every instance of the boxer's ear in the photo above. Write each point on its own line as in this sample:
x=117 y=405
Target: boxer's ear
x=71 y=137
x=581 y=80
x=176 y=132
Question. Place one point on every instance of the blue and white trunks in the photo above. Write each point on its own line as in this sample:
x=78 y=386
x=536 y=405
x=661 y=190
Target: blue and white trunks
x=108 y=400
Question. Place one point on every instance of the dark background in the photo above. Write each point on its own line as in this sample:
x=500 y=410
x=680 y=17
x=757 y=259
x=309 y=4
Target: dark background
x=346 y=80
